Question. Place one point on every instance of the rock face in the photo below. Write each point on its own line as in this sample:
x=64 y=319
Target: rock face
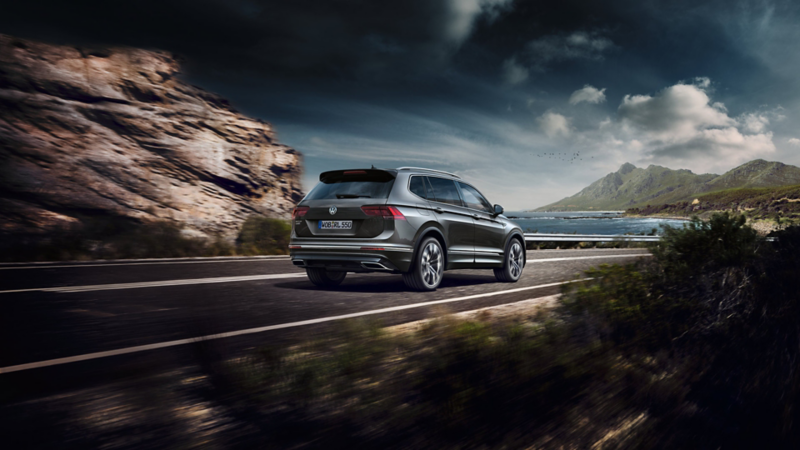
x=635 y=187
x=114 y=132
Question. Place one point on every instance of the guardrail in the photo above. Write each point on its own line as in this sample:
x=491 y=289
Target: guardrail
x=560 y=237
x=553 y=237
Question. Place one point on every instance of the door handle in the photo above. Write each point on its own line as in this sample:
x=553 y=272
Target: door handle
x=476 y=217
x=438 y=210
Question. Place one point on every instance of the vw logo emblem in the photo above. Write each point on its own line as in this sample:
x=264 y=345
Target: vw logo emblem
x=332 y=210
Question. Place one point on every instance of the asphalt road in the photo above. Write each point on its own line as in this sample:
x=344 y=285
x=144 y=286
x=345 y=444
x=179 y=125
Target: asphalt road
x=64 y=310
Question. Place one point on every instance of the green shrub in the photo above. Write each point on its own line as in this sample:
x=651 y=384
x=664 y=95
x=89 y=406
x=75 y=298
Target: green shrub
x=723 y=241
x=116 y=238
x=624 y=304
x=264 y=236
x=715 y=316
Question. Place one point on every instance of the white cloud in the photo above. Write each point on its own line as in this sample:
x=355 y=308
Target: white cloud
x=681 y=127
x=554 y=124
x=676 y=113
x=702 y=82
x=588 y=94
x=794 y=141
x=464 y=13
x=754 y=123
x=513 y=72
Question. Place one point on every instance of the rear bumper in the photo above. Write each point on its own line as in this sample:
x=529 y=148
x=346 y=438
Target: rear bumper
x=354 y=256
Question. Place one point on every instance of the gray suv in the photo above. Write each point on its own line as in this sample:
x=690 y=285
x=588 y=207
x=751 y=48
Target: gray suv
x=412 y=221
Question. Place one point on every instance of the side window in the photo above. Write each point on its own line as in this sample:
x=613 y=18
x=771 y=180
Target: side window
x=445 y=191
x=419 y=187
x=474 y=199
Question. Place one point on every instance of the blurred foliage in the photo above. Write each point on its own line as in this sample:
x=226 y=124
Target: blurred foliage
x=697 y=347
x=703 y=341
x=109 y=238
x=264 y=236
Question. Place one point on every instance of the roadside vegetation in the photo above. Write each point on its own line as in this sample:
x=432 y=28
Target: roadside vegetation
x=777 y=204
x=698 y=348
x=115 y=239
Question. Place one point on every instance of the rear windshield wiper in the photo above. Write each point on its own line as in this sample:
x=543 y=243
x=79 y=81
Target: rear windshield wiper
x=352 y=196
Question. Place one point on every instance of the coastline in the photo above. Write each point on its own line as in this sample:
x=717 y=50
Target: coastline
x=657 y=216
x=762 y=226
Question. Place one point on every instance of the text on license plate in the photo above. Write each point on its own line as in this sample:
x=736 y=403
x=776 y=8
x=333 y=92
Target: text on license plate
x=335 y=224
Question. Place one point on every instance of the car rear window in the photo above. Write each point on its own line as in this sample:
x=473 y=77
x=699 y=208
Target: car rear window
x=359 y=185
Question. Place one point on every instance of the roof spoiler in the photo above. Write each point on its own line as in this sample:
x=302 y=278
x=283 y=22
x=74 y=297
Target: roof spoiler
x=333 y=176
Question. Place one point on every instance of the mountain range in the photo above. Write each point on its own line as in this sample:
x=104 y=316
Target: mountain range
x=632 y=187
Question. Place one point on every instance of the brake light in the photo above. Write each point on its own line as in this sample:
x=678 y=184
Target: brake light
x=387 y=212
x=299 y=212
x=355 y=172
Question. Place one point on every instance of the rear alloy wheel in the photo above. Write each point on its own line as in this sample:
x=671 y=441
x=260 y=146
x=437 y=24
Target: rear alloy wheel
x=513 y=262
x=323 y=278
x=428 y=267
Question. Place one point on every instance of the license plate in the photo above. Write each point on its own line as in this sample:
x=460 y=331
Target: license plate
x=335 y=224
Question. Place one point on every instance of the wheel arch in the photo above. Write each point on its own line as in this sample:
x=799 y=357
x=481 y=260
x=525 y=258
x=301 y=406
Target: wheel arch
x=517 y=234
x=426 y=231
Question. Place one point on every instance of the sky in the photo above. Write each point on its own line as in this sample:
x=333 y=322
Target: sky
x=529 y=100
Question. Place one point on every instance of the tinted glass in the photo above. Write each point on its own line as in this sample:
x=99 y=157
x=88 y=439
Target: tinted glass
x=445 y=191
x=473 y=199
x=420 y=188
x=351 y=188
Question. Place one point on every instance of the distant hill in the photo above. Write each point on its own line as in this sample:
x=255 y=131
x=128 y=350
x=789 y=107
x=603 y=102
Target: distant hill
x=633 y=187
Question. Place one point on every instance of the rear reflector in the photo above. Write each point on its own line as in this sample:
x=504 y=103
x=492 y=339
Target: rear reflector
x=295 y=246
x=387 y=212
x=299 y=212
x=373 y=248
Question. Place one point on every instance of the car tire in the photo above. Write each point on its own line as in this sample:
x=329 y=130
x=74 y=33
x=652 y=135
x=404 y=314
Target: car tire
x=323 y=278
x=427 y=268
x=513 y=262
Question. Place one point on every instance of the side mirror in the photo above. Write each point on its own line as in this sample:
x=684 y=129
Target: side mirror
x=498 y=210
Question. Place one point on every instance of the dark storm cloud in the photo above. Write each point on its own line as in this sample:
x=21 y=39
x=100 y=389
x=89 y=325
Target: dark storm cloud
x=477 y=86
x=327 y=38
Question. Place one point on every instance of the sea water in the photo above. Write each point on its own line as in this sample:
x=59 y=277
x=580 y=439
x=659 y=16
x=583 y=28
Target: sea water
x=589 y=222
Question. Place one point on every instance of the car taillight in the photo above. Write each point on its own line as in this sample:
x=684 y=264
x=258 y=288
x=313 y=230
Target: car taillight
x=299 y=212
x=387 y=212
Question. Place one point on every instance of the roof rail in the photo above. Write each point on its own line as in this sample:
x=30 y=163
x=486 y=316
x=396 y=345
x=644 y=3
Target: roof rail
x=430 y=170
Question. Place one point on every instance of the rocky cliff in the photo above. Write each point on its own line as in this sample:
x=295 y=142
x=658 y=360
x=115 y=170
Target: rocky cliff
x=631 y=187
x=114 y=132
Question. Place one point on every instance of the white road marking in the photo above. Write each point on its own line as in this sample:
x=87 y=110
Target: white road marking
x=141 y=348
x=124 y=262
x=193 y=281
x=146 y=284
